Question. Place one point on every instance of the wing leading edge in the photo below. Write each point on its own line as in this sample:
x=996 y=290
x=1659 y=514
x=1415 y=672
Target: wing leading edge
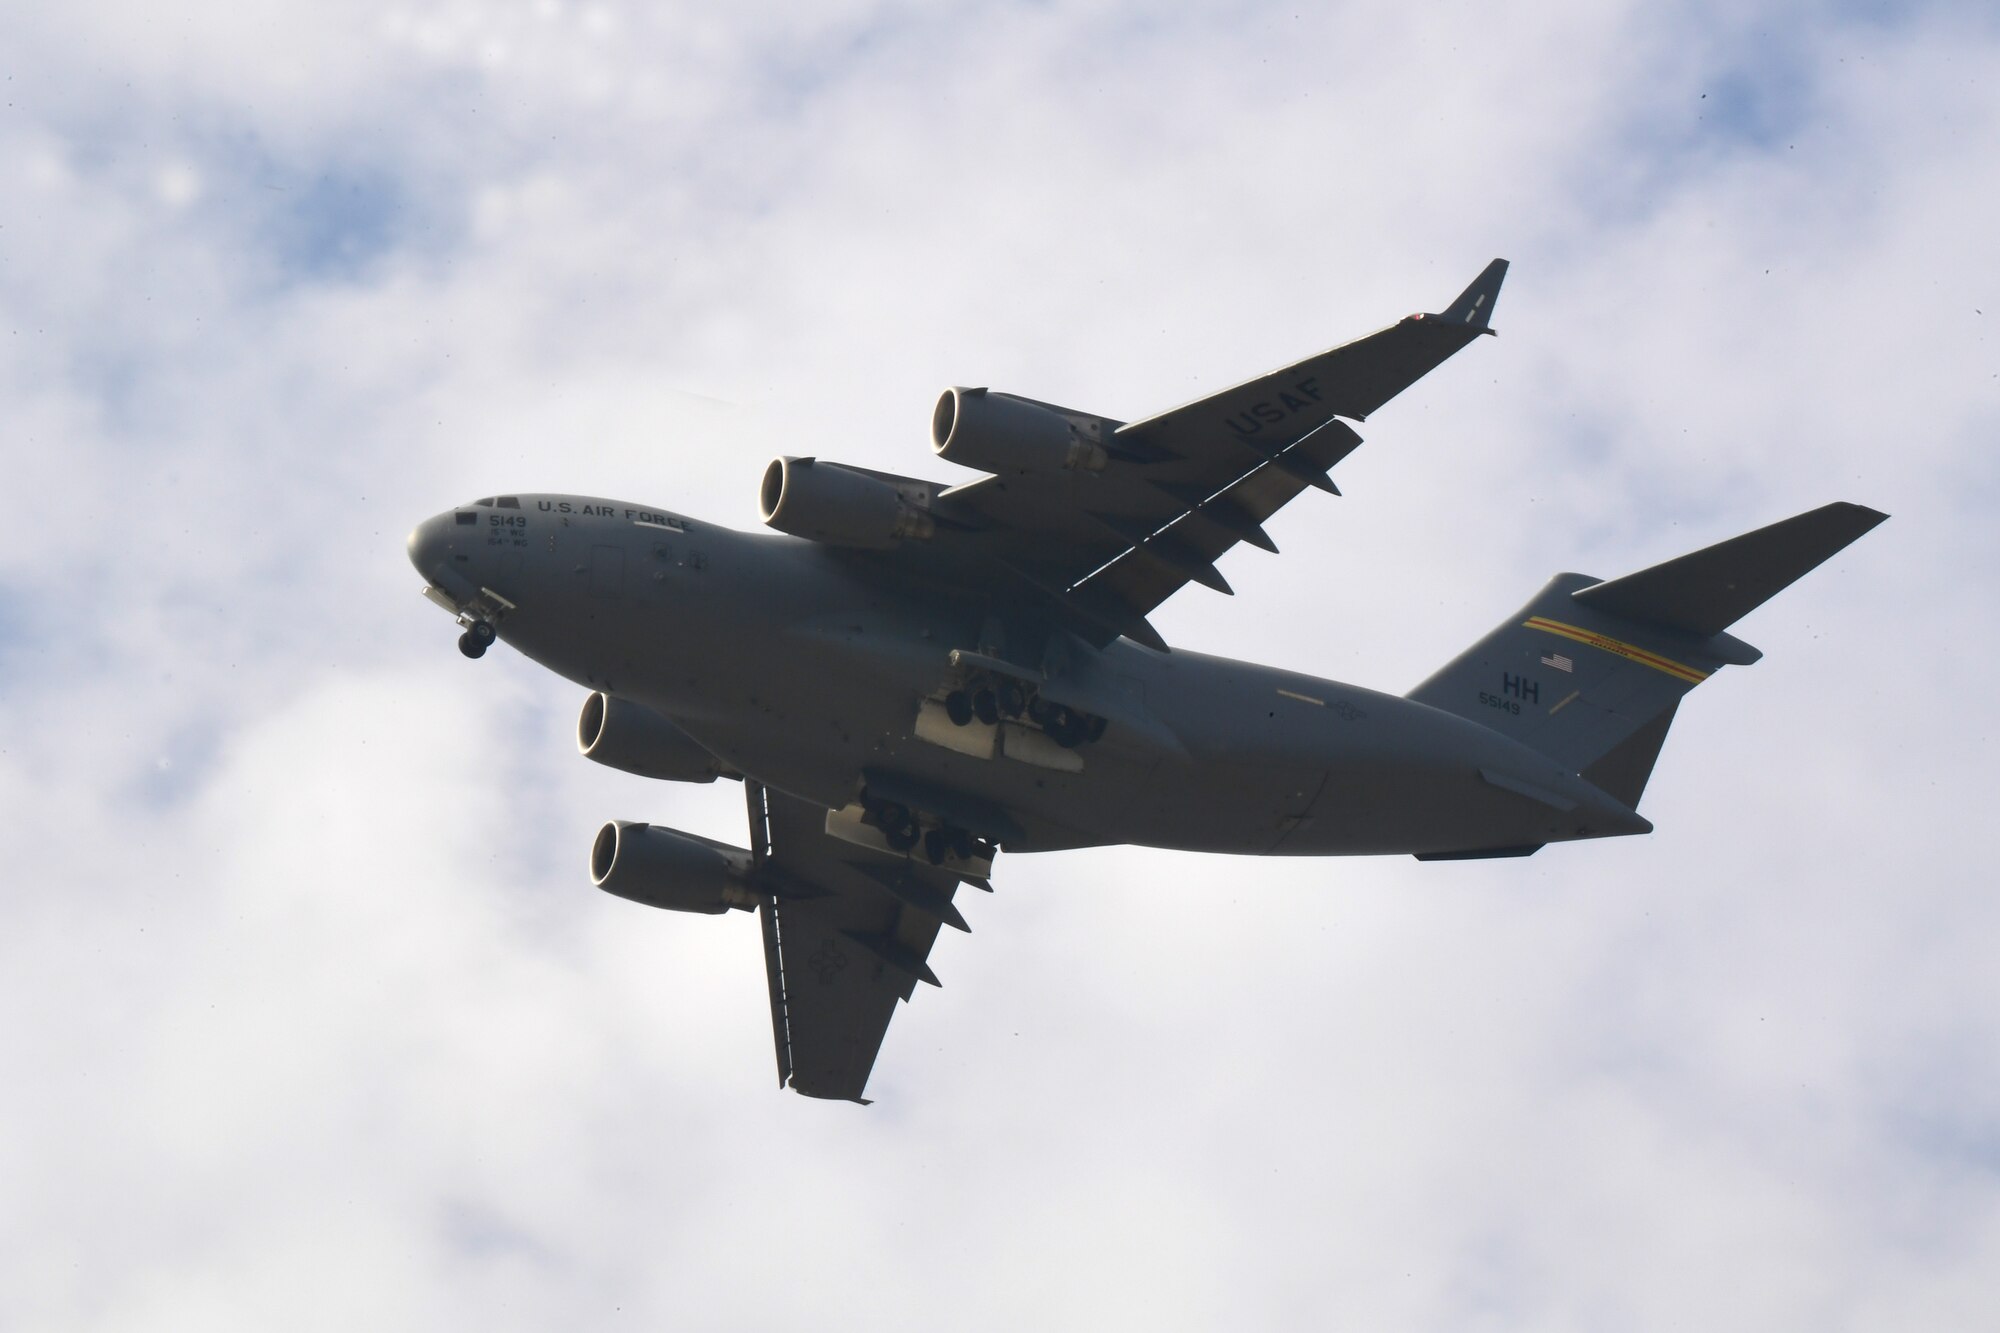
x=1181 y=488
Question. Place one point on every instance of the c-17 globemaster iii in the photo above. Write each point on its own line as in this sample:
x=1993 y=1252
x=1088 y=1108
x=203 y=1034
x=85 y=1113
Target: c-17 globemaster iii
x=909 y=676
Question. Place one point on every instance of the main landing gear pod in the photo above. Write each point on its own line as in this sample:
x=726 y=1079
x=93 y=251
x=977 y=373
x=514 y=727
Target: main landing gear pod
x=991 y=699
x=914 y=833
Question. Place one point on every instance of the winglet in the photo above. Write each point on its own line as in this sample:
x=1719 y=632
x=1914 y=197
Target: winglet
x=1474 y=305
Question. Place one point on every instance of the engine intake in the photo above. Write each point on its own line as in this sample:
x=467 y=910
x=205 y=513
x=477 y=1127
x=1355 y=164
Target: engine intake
x=999 y=433
x=841 y=506
x=634 y=739
x=663 y=867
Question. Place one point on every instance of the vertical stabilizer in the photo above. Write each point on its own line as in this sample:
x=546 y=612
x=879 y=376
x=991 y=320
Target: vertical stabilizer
x=1591 y=672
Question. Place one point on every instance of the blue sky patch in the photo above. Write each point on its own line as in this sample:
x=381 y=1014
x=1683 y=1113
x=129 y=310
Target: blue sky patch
x=338 y=223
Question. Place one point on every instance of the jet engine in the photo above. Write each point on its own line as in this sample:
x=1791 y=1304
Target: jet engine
x=999 y=433
x=663 y=867
x=634 y=739
x=838 y=505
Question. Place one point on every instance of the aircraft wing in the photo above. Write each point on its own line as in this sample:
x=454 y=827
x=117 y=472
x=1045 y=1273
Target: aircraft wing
x=1180 y=488
x=846 y=934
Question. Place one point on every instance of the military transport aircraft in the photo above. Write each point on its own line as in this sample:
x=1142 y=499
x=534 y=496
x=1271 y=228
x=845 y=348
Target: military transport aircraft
x=909 y=676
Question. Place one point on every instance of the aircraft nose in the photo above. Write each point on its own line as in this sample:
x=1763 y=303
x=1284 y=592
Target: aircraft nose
x=442 y=551
x=430 y=545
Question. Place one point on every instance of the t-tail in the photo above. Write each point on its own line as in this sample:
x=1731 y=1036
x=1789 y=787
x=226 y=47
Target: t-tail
x=1590 y=673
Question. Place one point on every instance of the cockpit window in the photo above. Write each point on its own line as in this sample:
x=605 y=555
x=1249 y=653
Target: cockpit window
x=509 y=502
x=487 y=503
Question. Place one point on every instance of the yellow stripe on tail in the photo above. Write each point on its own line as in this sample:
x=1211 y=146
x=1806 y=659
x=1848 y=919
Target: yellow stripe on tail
x=1629 y=651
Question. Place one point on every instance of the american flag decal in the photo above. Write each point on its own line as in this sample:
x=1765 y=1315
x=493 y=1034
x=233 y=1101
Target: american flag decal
x=1559 y=662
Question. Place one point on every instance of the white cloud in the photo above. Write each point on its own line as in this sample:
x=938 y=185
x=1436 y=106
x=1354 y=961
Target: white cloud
x=313 y=1017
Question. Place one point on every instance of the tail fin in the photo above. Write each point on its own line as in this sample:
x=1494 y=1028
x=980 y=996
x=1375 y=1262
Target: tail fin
x=1590 y=672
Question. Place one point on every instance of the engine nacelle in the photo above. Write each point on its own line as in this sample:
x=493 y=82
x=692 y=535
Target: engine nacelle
x=634 y=739
x=663 y=867
x=837 y=505
x=994 y=432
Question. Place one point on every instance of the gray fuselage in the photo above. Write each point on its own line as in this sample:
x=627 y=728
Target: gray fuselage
x=804 y=666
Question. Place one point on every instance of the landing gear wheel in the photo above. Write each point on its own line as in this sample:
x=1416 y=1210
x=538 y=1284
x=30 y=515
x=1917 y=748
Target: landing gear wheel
x=471 y=645
x=958 y=707
x=1066 y=728
x=985 y=705
x=1011 y=698
x=937 y=843
x=898 y=825
x=961 y=844
x=482 y=632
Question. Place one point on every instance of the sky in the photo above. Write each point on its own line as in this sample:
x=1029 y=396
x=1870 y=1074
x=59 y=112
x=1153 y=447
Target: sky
x=309 y=1016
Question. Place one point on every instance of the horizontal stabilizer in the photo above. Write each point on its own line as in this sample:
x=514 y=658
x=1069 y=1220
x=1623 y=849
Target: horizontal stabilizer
x=1705 y=592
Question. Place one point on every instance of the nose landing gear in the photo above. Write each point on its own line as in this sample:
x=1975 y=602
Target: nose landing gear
x=478 y=637
x=475 y=614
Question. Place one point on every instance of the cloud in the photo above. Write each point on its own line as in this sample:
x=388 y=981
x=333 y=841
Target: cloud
x=312 y=1016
